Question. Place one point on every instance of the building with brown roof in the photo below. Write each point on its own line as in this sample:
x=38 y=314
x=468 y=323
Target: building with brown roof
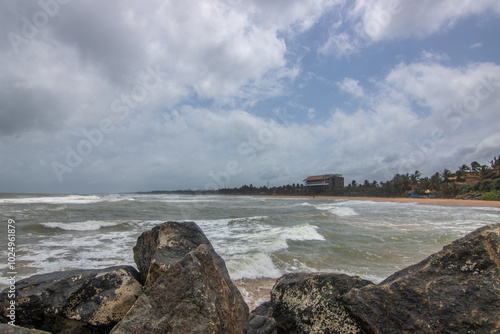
x=324 y=182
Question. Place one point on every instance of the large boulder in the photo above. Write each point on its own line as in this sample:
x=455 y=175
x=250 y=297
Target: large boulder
x=311 y=303
x=456 y=290
x=77 y=301
x=165 y=245
x=191 y=296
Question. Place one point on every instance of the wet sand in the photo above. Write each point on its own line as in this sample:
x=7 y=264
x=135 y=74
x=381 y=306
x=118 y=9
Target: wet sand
x=420 y=200
x=255 y=291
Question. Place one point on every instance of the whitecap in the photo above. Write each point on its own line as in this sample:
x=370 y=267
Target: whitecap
x=255 y=265
x=338 y=209
x=89 y=225
x=302 y=232
x=70 y=199
x=343 y=212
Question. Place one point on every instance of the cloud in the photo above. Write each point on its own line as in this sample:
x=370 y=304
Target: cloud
x=311 y=113
x=476 y=46
x=352 y=87
x=384 y=19
x=80 y=109
x=341 y=45
x=197 y=148
x=459 y=106
x=471 y=90
x=366 y=22
x=87 y=52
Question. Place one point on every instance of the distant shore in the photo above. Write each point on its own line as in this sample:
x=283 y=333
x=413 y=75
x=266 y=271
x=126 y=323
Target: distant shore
x=419 y=200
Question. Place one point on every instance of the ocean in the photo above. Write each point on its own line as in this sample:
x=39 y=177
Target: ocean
x=259 y=238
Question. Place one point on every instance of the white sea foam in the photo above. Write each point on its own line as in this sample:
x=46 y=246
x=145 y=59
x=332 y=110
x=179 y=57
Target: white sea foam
x=265 y=239
x=117 y=198
x=302 y=232
x=70 y=199
x=254 y=265
x=337 y=209
x=169 y=198
x=89 y=225
x=246 y=244
x=74 y=251
x=343 y=212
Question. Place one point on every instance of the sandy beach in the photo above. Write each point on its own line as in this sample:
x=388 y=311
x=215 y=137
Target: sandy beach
x=422 y=200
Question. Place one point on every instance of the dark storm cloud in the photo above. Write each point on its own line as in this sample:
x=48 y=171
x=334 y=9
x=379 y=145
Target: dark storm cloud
x=75 y=93
x=103 y=36
x=22 y=110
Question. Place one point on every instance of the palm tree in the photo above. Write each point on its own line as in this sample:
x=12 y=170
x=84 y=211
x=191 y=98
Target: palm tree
x=425 y=183
x=484 y=172
x=446 y=175
x=464 y=168
x=415 y=177
x=462 y=173
x=495 y=166
x=475 y=167
x=435 y=181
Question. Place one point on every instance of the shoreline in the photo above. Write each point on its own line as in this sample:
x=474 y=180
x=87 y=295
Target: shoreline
x=421 y=200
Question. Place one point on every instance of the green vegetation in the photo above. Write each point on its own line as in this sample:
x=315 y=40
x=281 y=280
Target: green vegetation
x=474 y=181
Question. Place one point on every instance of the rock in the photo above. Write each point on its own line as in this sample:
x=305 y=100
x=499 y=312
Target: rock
x=265 y=309
x=9 y=329
x=259 y=324
x=77 y=301
x=311 y=303
x=165 y=245
x=456 y=290
x=261 y=321
x=192 y=296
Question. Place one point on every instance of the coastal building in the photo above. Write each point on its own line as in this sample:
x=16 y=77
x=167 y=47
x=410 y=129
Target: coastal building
x=468 y=178
x=324 y=182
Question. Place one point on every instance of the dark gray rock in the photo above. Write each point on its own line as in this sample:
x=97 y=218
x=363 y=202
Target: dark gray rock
x=456 y=290
x=261 y=321
x=165 y=245
x=260 y=324
x=191 y=296
x=265 y=309
x=9 y=329
x=77 y=301
x=311 y=303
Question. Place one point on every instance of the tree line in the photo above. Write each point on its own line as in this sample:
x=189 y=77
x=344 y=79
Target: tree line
x=474 y=181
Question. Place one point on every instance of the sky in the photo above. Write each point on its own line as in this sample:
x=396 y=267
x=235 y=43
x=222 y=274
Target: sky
x=122 y=95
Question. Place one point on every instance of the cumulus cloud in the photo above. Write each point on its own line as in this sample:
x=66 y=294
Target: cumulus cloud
x=87 y=52
x=387 y=19
x=360 y=144
x=366 y=22
x=165 y=95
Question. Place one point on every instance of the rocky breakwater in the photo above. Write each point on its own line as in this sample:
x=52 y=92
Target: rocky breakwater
x=76 y=301
x=456 y=290
x=187 y=290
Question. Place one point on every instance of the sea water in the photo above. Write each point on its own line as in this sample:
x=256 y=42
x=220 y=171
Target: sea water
x=259 y=238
